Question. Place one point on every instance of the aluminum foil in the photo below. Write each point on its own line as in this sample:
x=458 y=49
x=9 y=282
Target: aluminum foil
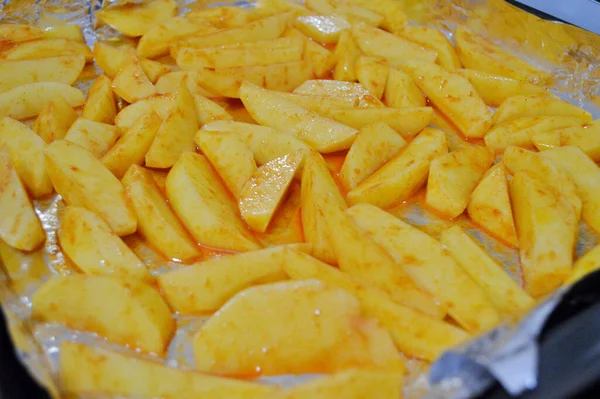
x=507 y=354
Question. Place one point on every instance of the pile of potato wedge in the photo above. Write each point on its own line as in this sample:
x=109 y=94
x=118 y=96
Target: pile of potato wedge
x=261 y=150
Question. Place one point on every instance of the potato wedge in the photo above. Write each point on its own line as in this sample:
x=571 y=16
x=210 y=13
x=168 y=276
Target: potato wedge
x=377 y=42
x=374 y=146
x=131 y=82
x=148 y=324
x=82 y=180
x=100 y=105
x=135 y=19
x=49 y=48
x=508 y=297
x=19 y=226
x=495 y=89
x=321 y=59
x=404 y=174
x=26 y=152
x=54 y=120
x=205 y=207
x=346 y=53
x=208 y=111
x=163 y=105
x=132 y=146
x=547 y=229
x=286 y=225
x=91 y=244
x=57 y=69
x=393 y=13
x=434 y=40
x=28 y=100
x=586 y=176
x=453 y=177
x=489 y=206
x=480 y=54
x=537 y=105
x=154 y=70
x=454 y=96
x=588 y=263
x=109 y=58
x=313 y=322
x=355 y=93
x=322 y=28
x=95 y=137
x=546 y=140
x=265 y=190
x=225 y=17
x=230 y=156
x=323 y=105
x=90 y=370
x=170 y=83
x=372 y=73
x=271 y=109
x=586 y=137
x=402 y=91
x=352 y=12
x=11 y=34
x=66 y=31
x=427 y=262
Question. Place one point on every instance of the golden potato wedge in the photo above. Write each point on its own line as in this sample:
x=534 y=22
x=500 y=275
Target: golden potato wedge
x=372 y=73
x=586 y=137
x=64 y=69
x=427 y=262
x=321 y=59
x=163 y=105
x=54 y=120
x=271 y=109
x=547 y=229
x=208 y=111
x=322 y=28
x=314 y=321
x=346 y=53
x=495 y=89
x=170 y=83
x=323 y=105
x=204 y=287
x=145 y=320
x=26 y=152
x=374 y=146
x=11 y=34
x=585 y=265
x=100 y=105
x=402 y=91
x=351 y=12
x=135 y=19
x=537 y=105
x=393 y=14
x=95 y=137
x=92 y=370
x=132 y=146
x=154 y=70
x=19 y=226
x=434 y=40
x=65 y=31
x=545 y=140
x=454 y=96
x=480 y=54
x=270 y=7
x=28 y=100
x=91 y=244
x=224 y=17
x=109 y=58
x=453 y=177
x=49 y=48
x=503 y=291
x=377 y=42
x=489 y=206
x=354 y=93
x=404 y=174
x=131 y=82
x=205 y=207
x=82 y=180
x=156 y=220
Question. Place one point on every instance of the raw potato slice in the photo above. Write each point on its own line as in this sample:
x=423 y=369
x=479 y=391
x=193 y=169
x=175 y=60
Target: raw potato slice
x=402 y=91
x=208 y=111
x=205 y=207
x=585 y=265
x=354 y=93
x=346 y=53
x=29 y=100
x=163 y=105
x=230 y=156
x=318 y=192
x=90 y=370
x=271 y=109
x=454 y=96
x=434 y=40
x=19 y=225
x=353 y=13
x=414 y=333
x=480 y=54
x=82 y=180
x=494 y=89
x=404 y=174
x=281 y=77
x=374 y=146
x=586 y=176
x=148 y=324
x=321 y=59
x=372 y=73
x=16 y=33
x=54 y=120
x=452 y=178
x=39 y=49
x=314 y=323
x=131 y=148
x=396 y=50
x=322 y=28
x=204 y=287
x=95 y=137
x=489 y=206
x=431 y=266
x=58 y=69
x=263 y=193
x=502 y=290
x=26 y=152
x=586 y=137
x=156 y=220
x=90 y=243
x=100 y=105
x=537 y=105
x=131 y=83
x=137 y=19
x=547 y=229
x=66 y=31
x=154 y=70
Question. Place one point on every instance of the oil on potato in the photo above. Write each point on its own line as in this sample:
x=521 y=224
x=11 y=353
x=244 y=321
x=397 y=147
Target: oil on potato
x=322 y=28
